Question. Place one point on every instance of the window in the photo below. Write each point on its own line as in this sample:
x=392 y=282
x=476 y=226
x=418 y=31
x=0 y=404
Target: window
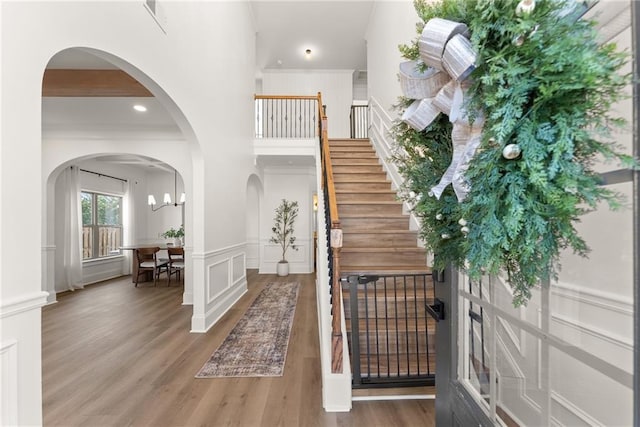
x=101 y=225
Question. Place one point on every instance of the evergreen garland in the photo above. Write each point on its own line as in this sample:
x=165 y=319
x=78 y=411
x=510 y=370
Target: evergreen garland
x=545 y=83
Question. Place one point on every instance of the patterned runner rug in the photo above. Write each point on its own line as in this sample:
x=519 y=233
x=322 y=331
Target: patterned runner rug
x=257 y=345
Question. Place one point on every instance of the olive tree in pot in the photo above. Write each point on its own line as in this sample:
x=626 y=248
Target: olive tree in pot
x=282 y=230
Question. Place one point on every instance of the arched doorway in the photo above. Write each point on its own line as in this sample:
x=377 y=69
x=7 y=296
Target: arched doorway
x=254 y=196
x=141 y=134
x=124 y=182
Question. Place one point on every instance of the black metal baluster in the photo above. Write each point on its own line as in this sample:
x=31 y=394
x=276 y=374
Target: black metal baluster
x=375 y=308
x=355 y=331
x=366 y=316
x=386 y=322
x=426 y=322
x=406 y=325
x=415 y=311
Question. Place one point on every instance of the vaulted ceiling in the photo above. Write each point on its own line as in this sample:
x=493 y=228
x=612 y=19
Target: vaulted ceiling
x=90 y=95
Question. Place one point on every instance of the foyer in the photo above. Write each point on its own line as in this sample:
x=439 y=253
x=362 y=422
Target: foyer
x=117 y=355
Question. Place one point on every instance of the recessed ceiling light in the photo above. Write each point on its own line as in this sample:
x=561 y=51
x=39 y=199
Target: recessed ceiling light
x=140 y=108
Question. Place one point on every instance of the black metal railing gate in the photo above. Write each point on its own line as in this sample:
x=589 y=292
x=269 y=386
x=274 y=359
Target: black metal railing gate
x=392 y=329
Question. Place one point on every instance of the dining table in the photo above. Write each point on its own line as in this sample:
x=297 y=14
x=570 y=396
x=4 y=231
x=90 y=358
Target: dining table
x=162 y=257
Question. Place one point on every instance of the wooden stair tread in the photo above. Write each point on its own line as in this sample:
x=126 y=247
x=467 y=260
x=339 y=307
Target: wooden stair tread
x=359 y=174
x=354 y=143
x=349 y=148
x=393 y=294
x=371 y=215
x=348 y=155
x=394 y=365
x=371 y=202
x=377 y=231
x=347 y=270
x=353 y=161
x=360 y=178
x=384 y=249
x=366 y=191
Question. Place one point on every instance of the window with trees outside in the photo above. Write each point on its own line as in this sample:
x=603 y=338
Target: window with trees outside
x=101 y=225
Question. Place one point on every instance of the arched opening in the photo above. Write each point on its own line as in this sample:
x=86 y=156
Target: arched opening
x=122 y=152
x=114 y=217
x=255 y=193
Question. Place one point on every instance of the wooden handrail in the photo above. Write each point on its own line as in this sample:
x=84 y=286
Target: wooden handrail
x=286 y=97
x=336 y=243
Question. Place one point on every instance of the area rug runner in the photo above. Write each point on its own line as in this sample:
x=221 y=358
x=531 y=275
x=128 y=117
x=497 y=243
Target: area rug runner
x=257 y=345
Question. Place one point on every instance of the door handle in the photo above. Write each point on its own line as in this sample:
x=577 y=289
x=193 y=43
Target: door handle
x=436 y=310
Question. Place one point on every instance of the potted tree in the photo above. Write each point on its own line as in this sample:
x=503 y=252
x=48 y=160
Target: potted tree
x=282 y=229
x=176 y=235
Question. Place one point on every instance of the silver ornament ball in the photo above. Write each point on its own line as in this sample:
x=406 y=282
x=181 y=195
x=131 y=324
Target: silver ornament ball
x=511 y=151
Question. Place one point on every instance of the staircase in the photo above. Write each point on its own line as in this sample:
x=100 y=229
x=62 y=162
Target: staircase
x=395 y=345
x=376 y=234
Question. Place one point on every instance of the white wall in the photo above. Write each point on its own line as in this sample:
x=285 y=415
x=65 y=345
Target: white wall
x=336 y=87
x=294 y=184
x=392 y=23
x=211 y=105
x=360 y=90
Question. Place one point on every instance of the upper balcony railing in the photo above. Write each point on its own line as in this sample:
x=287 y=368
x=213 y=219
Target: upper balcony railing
x=286 y=116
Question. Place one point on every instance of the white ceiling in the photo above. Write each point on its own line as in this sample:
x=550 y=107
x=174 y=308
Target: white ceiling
x=333 y=30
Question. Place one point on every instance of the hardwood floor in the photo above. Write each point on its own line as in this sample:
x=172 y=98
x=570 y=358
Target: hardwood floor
x=116 y=355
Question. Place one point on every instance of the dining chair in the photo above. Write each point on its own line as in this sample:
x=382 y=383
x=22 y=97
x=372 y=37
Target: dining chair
x=176 y=262
x=148 y=262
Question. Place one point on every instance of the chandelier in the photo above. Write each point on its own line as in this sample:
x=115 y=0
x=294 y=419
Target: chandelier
x=151 y=200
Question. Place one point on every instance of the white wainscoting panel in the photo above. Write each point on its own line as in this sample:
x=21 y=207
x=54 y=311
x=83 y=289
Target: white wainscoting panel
x=300 y=261
x=239 y=268
x=9 y=383
x=100 y=270
x=217 y=279
x=225 y=281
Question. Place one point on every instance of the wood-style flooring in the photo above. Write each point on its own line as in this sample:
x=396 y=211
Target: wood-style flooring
x=116 y=355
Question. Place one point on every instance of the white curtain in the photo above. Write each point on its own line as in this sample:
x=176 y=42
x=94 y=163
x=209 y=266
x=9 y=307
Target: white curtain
x=72 y=229
x=128 y=221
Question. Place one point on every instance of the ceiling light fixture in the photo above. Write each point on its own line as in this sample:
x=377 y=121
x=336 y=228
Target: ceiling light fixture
x=151 y=200
x=308 y=53
x=140 y=108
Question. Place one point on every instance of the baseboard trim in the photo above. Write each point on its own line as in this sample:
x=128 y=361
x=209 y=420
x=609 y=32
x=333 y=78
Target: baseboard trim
x=395 y=397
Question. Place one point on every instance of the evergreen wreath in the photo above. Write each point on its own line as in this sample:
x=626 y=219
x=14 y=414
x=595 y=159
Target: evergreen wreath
x=545 y=83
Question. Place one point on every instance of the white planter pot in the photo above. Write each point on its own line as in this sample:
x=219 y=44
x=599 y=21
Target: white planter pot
x=283 y=268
